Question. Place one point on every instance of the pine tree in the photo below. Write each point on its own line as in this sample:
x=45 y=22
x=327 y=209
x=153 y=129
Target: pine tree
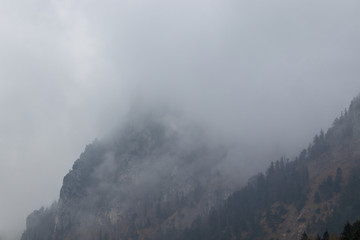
x=338 y=180
x=326 y=235
x=356 y=230
x=304 y=236
x=347 y=232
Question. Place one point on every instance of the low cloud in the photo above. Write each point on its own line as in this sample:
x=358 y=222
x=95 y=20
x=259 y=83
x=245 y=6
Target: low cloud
x=266 y=75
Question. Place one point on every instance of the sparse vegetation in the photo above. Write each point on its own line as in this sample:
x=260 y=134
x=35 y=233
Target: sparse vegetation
x=256 y=211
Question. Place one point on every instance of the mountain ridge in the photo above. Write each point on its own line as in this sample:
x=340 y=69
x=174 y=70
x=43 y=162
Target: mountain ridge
x=155 y=183
x=267 y=209
x=155 y=173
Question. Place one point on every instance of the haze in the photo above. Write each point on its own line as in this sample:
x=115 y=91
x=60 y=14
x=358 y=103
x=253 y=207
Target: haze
x=265 y=75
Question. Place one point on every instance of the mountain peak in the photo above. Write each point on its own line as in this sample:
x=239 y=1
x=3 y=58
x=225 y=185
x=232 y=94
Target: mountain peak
x=157 y=173
x=159 y=178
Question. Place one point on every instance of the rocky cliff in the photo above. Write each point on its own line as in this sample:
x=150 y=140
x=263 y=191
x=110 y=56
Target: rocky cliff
x=155 y=175
x=159 y=178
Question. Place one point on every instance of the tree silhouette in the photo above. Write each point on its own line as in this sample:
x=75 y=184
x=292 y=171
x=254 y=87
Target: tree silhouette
x=326 y=235
x=304 y=236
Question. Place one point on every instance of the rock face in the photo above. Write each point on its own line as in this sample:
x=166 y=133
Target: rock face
x=160 y=178
x=40 y=224
x=156 y=175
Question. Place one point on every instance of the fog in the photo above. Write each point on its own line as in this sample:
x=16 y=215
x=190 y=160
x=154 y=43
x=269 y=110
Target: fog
x=263 y=75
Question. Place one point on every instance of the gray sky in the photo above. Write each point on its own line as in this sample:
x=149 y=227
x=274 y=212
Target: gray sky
x=270 y=73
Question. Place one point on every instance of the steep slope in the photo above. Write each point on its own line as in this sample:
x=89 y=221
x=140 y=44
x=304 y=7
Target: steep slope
x=155 y=176
x=158 y=179
x=333 y=160
x=318 y=190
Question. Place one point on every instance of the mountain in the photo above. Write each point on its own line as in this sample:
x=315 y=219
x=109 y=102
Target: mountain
x=158 y=178
x=156 y=175
x=317 y=191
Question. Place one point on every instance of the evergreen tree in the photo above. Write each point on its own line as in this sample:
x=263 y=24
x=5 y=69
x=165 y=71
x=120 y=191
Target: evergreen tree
x=347 y=232
x=304 y=236
x=338 y=180
x=326 y=235
x=356 y=229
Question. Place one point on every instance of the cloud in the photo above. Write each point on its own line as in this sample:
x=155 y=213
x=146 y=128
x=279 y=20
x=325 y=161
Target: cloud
x=266 y=73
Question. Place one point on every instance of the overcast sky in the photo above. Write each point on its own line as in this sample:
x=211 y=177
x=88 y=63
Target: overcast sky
x=270 y=73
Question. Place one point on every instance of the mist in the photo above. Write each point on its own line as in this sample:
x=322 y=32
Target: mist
x=264 y=76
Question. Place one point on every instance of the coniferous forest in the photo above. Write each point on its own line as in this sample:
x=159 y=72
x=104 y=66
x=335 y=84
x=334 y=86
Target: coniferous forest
x=313 y=196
